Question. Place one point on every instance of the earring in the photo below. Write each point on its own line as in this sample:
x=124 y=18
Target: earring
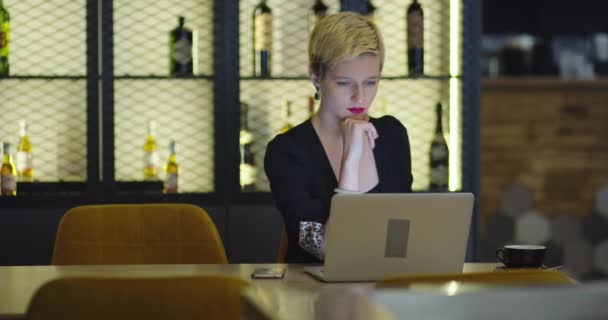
x=317 y=94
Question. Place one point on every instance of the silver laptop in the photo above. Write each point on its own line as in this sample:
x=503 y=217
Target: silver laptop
x=372 y=236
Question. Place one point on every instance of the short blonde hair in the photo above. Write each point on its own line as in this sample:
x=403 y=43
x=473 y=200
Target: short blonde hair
x=341 y=37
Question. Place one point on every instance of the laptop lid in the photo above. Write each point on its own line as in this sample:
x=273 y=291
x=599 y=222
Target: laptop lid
x=371 y=236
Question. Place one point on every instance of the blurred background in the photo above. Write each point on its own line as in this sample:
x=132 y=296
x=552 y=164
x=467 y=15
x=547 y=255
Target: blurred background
x=109 y=101
x=544 y=149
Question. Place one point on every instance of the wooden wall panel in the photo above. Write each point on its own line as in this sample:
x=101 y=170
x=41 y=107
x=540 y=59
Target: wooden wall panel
x=549 y=135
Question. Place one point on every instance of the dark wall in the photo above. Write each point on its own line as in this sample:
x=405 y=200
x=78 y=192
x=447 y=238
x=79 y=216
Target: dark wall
x=544 y=17
x=27 y=235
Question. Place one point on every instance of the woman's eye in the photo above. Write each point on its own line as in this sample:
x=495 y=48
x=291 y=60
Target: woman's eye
x=343 y=83
x=370 y=83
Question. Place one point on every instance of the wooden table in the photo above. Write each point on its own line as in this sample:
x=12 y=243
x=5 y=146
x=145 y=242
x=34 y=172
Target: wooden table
x=18 y=283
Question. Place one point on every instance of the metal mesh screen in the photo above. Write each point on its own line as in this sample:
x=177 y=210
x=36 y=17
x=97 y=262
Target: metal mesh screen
x=47 y=37
x=46 y=86
x=267 y=116
x=413 y=103
x=290 y=35
x=182 y=108
x=141 y=34
x=55 y=111
x=410 y=100
x=390 y=17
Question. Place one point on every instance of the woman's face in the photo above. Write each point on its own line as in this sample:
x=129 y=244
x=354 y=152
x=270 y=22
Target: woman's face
x=348 y=89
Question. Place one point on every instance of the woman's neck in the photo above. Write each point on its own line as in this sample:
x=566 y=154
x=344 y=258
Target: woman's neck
x=328 y=126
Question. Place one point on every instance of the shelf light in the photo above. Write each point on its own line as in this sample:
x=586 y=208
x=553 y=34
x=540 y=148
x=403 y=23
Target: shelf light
x=455 y=105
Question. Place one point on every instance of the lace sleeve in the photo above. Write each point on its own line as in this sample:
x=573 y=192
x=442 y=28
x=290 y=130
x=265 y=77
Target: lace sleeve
x=311 y=238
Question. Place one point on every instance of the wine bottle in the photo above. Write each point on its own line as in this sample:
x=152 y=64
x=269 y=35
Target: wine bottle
x=25 y=167
x=247 y=169
x=181 y=50
x=287 y=116
x=151 y=158
x=171 y=170
x=8 y=173
x=415 y=39
x=318 y=12
x=5 y=37
x=439 y=155
x=369 y=9
x=262 y=40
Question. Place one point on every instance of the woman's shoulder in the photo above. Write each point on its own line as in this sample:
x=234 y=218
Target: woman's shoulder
x=388 y=123
x=297 y=136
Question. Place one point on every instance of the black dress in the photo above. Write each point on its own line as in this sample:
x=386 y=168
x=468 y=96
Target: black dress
x=302 y=179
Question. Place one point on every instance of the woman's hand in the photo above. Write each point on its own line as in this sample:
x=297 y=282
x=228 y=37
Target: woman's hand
x=357 y=134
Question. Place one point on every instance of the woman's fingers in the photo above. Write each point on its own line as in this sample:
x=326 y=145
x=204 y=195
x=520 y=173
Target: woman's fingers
x=370 y=139
x=372 y=130
x=353 y=129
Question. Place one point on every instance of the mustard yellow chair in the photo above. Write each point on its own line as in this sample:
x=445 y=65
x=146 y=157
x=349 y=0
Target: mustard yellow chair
x=196 y=297
x=514 y=277
x=137 y=234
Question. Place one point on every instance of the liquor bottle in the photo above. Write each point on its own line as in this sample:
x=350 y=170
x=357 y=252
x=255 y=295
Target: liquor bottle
x=439 y=156
x=25 y=167
x=318 y=12
x=247 y=169
x=171 y=170
x=287 y=115
x=182 y=50
x=262 y=40
x=5 y=37
x=369 y=9
x=151 y=158
x=8 y=173
x=415 y=39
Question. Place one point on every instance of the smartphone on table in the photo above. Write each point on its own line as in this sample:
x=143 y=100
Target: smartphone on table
x=268 y=273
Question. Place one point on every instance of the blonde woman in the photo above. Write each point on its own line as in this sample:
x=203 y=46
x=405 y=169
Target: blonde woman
x=340 y=149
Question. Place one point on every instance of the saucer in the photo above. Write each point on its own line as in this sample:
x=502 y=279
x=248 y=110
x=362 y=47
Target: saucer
x=505 y=268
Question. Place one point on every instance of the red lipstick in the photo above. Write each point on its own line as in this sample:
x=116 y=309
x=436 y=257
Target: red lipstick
x=356 y=110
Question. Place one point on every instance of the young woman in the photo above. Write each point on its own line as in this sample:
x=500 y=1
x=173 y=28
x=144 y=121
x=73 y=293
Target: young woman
x=340 y=149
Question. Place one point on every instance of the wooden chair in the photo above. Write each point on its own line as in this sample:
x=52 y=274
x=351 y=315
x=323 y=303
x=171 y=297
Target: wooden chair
x=137 y=234
x=514 y=277
x=196 y=297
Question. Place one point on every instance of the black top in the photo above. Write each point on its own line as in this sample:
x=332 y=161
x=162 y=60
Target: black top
x=303 y=182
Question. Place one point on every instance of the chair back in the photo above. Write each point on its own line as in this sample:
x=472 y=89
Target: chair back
x=137 y=234
x=515 y=277
x=196 y=297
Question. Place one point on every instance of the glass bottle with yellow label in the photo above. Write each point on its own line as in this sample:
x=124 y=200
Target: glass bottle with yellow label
x=247 y=168
x=171 y=171
x=8 y=173
x=25 y=165
x=151 y=159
